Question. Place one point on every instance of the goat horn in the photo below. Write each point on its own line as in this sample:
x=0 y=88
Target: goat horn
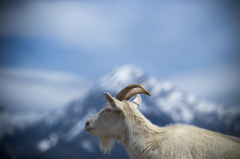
x=134 y=92
x=121 y=95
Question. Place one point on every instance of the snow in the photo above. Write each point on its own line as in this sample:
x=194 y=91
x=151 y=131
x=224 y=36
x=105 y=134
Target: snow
x=150 y=83
x=52 y=119
x=46 y=144
x=207 y=107
x=77 y=107
x=156 y=86
x=156 y=89
x=144 y=108
x=187 y=115
x=10 y=121
x=170 y=102
x=174 y=105
x=167 y=86
x=120 y=77
x=191 y=99
x=79 y=126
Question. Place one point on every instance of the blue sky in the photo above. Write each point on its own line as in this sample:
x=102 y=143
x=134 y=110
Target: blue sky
x=193 y=44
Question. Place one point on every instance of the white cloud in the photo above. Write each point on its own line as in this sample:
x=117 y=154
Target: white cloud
x=74 y=24
x=136 y=27
x=217 y=81
x=23 y=89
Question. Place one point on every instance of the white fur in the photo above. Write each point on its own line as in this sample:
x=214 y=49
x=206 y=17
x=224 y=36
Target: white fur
x=144 y=140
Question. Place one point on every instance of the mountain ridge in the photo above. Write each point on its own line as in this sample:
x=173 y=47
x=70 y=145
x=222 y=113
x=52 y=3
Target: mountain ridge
x=64 y=129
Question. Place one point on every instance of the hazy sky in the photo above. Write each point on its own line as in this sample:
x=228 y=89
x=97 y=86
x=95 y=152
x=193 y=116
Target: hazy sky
x=192 y=44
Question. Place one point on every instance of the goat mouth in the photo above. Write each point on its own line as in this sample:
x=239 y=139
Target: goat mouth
x=88 y=129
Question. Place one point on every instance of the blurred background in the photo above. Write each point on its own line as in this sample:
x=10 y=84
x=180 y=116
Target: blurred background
x=57 y=57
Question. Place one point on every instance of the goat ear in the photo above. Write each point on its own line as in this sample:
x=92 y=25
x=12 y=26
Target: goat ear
x=110 y=99
x=137 y=100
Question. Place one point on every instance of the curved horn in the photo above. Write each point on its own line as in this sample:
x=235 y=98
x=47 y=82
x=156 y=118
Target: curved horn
x=134 y=92
x=120 y=96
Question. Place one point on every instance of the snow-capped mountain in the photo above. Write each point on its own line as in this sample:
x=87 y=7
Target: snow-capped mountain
x=61 y=134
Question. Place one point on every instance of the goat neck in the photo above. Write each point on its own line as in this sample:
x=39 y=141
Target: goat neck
x=140 y=135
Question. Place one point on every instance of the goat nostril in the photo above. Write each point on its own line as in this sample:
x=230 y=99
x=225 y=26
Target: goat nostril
x=87 y=123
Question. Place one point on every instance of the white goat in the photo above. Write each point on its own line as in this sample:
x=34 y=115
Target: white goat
x=122 y=120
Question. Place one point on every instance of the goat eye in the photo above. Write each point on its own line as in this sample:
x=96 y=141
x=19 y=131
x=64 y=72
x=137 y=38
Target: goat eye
x=108 y=110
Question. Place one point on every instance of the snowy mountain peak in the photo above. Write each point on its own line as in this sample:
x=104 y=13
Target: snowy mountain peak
x=120 y=77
